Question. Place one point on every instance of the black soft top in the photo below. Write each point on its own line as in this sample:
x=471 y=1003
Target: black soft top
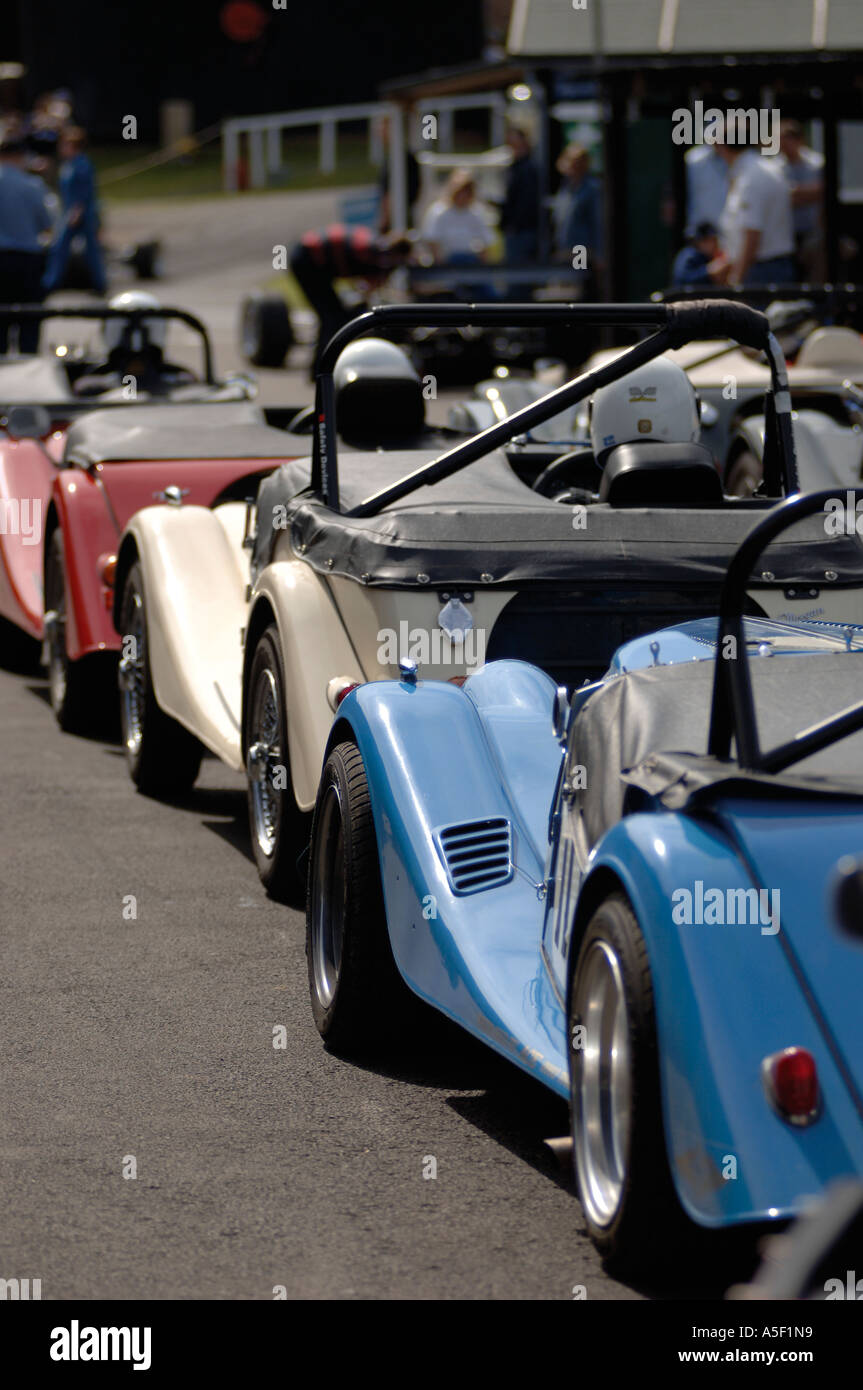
x=229 y=430
x=484 y=525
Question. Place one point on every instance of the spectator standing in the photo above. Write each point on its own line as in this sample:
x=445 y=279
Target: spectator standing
x=80 y=213
x=26 y=220
x=453 y=227
x=342 y=253
x=519 y=213
x=803 y=169
x=755 y=227
x=692 y=265
x=577 y=212
x=706 y=186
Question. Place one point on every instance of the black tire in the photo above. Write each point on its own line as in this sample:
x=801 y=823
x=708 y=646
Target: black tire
x=78 y=688
x=359 y=999
x=163 y=758
x=279 y=828
x=634 y=1219
x=743 y=474
x=146 y=260
x=266 y=332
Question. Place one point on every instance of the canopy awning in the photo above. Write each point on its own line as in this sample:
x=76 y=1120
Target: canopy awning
x=666 y=28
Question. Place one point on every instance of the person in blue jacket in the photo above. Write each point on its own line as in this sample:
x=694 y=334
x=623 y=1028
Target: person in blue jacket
x=80 y=213
x=692 y=264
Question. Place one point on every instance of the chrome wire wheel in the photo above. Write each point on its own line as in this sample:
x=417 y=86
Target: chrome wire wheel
x=132 y=676
x=264 y=761
x=602 y=1093
x=328 y=898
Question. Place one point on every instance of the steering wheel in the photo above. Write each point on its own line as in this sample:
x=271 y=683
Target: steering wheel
x=577 y=469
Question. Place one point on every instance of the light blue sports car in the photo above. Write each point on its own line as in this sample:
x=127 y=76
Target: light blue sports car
x=629 y=893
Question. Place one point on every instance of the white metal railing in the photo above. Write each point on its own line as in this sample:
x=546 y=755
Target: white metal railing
x=264 y=138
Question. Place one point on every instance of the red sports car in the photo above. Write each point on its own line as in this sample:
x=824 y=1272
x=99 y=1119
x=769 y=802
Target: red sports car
x=83 y=445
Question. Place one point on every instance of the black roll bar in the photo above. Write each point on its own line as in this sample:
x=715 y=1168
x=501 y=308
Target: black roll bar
x=38 y=313
x=676 y=324
x=732 y=713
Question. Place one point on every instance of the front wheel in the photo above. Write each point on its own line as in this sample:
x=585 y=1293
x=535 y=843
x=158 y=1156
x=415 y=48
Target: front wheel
x=279 y=828
x=358 y=996
x=621 y=1167
x=163 y=758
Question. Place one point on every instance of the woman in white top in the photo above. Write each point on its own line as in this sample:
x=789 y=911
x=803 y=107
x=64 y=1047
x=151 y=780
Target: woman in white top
x=455 y=230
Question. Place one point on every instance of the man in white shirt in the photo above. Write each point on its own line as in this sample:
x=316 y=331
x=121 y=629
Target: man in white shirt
x=755 y=226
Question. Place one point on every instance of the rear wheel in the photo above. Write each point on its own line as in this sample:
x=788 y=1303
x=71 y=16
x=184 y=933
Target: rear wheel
x=279 y=828
x=621 y=1167
x=74 y=685
x=265 y=330
x=358 y=996
x=162 y=756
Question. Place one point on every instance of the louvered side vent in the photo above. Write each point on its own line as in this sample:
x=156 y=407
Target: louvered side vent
x=477 y=854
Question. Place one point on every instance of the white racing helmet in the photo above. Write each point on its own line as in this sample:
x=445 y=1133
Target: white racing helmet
x=154 y=329
x=656 y=402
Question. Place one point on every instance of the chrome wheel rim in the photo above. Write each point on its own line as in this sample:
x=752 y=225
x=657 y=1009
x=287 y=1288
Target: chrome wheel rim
x=265 y=757
x=327 y=918
x=602 y=1084
x=132 y=677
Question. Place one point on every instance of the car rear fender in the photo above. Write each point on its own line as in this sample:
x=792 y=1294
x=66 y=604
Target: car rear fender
x=26 y=478
x=89 y=539
x=725 y=997
x=194 y=570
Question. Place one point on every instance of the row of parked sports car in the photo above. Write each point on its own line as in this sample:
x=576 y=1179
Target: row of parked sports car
x=502 y=695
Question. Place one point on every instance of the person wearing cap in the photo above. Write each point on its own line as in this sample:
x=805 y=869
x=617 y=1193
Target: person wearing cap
x=755 y=227
x=343 y=253
x=80 y=217
x=26 y=220
x=692 y=264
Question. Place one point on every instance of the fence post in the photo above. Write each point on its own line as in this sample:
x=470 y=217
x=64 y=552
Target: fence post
x=327 y=154
x=230 y=155
x=274 y=149
x=256 y=159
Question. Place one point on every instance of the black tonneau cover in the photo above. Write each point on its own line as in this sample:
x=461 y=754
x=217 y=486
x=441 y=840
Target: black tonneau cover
x=229 y=430
x=483 y=525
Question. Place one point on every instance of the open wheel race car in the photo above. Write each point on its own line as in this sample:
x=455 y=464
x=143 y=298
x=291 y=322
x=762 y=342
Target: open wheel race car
x=626 y=894
x=254 y=622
